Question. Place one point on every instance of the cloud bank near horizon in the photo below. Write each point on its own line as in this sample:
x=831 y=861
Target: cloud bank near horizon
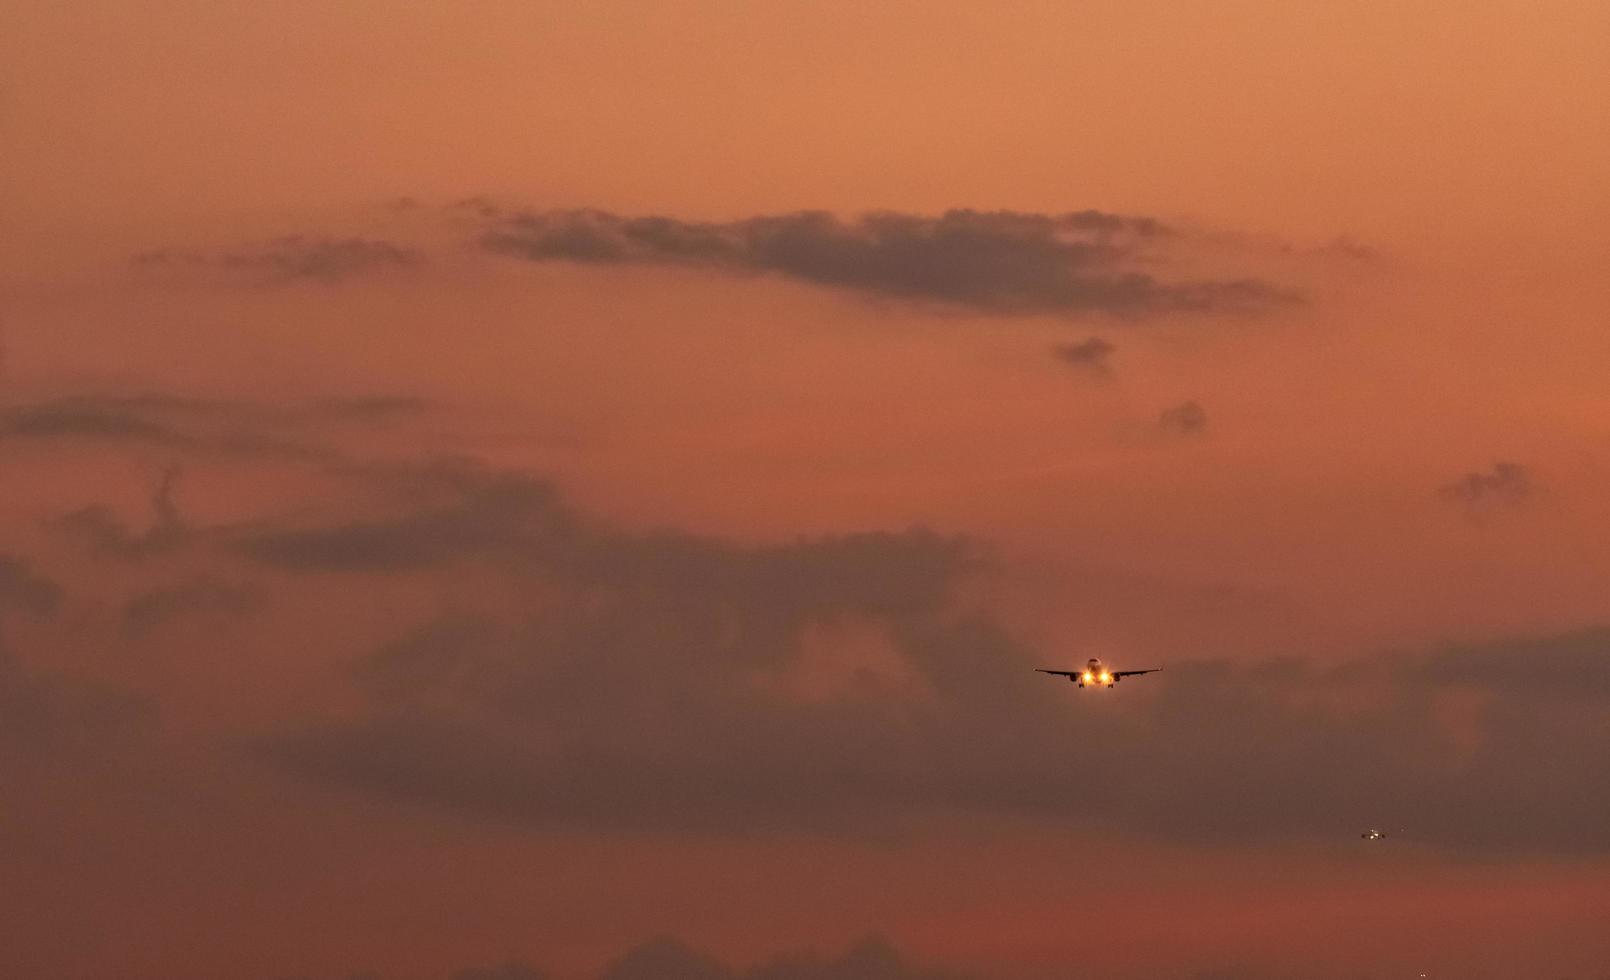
x=669 y=681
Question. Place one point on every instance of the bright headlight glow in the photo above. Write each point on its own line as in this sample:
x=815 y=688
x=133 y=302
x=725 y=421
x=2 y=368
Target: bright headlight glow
x=1089 y=677
x=1106 y=678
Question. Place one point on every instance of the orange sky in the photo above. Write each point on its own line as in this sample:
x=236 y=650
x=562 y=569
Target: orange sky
x=1428 y=176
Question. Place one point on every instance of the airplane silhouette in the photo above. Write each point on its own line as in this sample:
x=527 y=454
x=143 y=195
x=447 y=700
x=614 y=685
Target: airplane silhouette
x=1096 y=674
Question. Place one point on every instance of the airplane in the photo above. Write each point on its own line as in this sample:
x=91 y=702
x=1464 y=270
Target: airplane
x=1373 y=834
x=1096 y=674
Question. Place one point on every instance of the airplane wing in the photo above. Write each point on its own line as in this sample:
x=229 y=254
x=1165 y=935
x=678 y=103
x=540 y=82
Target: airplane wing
x=1060 y=673
x=1132 y=673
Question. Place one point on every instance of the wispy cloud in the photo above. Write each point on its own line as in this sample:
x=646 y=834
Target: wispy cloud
x=1504 y=483
x=289 y=259
x=1091 y=355
x=1185 y=419
x=203 y=427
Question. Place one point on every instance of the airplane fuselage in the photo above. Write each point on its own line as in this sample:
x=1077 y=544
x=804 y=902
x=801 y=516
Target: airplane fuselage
x=1095 y=674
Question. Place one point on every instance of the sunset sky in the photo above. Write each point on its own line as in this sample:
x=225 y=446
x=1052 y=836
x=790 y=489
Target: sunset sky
x=500 y=490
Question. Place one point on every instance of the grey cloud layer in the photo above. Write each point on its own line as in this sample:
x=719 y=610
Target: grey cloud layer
x=651 y=690
x=667 y=681
x=997 y=262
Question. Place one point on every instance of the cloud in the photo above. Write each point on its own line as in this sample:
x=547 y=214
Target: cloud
x=195 y=426
x=86 y=419
x=627 y=607
x=500 y=516
x=522 y=522
x=671 y=682
x=1000 y=262
x=1505 y=483
x=838 y=684
x=292 y=258
x=1092 y=354
x=200 y=595
x=157 y=411
x=199 y=428
x=1184 y=419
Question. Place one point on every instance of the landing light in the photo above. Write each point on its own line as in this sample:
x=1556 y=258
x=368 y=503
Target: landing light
x=1106 y=678
x=1089 y=677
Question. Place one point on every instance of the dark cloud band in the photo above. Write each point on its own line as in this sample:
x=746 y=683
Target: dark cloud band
x=1000 y=262
x=651 y=692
